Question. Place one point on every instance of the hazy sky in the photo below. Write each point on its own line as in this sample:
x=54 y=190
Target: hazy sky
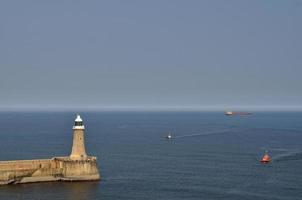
x=147 y=54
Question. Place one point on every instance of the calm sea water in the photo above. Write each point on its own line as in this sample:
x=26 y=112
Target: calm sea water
x=212 y=157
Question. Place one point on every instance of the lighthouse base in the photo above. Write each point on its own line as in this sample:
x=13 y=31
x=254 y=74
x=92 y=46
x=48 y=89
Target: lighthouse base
x=55 y=169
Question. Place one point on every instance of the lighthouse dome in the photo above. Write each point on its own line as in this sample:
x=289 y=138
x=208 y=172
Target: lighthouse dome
x=78 y=119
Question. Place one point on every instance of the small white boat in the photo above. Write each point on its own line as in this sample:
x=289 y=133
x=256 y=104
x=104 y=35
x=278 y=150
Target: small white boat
x=169 y=136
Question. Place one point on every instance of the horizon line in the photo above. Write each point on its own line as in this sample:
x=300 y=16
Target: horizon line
x=151 y=108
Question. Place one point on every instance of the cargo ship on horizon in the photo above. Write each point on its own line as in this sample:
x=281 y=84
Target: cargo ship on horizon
x=231 y=113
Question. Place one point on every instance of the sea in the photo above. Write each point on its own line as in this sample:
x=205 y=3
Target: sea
x=210 y=155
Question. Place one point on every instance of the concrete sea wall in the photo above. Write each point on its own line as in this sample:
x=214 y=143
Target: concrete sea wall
x=55 y=169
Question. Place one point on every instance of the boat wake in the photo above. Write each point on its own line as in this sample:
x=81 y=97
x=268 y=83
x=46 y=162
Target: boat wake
x=290 y=156
x=202 y=134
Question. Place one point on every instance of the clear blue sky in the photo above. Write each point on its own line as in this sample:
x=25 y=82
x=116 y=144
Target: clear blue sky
x=150 y=54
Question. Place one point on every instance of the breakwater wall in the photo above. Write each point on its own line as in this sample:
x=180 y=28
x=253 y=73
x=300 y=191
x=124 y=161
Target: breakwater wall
x=54 y=169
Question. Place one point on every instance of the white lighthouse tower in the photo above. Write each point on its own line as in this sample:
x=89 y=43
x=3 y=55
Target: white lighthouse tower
x=78 y=147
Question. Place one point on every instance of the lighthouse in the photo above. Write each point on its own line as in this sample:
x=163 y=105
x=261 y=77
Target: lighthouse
x=78 y=146
x=76 y=167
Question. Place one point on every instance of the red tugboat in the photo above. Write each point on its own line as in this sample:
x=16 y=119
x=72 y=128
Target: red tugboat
x=265 y=159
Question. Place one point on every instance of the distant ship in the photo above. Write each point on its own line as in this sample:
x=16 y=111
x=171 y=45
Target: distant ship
x=231 y=113
x=266 y=158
